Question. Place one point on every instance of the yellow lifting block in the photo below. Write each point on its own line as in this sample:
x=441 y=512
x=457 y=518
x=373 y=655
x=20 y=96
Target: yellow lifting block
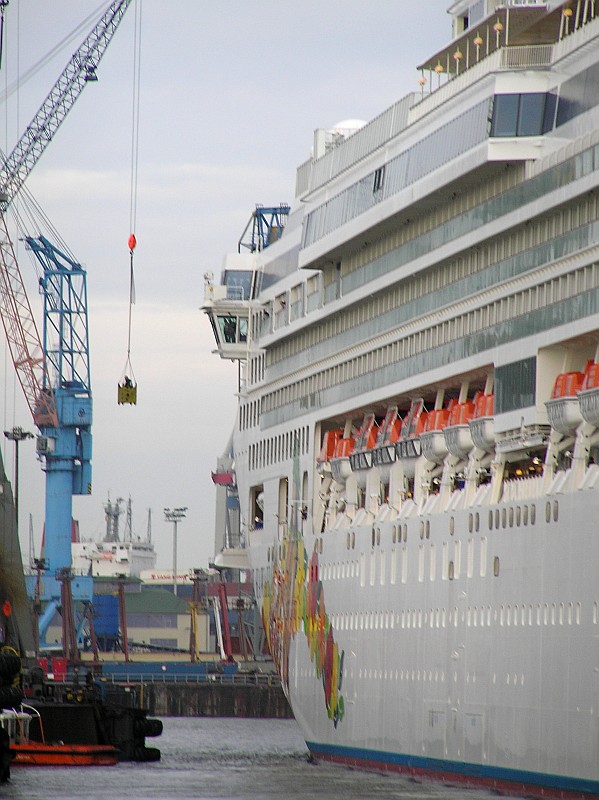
x=127 y=394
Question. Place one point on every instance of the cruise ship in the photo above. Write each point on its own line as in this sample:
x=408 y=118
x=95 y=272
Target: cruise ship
x=416 y=449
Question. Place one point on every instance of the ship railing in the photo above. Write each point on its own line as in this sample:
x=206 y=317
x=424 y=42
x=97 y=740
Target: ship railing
x=517 y=489
x=507 y=58
x=238 y=679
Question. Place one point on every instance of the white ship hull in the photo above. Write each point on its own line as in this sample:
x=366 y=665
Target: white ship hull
x=417 y=446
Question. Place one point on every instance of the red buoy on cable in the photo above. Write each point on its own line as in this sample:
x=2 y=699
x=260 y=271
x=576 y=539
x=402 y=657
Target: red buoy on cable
x=132 y=242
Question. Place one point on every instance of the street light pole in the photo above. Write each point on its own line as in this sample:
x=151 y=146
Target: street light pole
x=174 y=516
x=16 y=435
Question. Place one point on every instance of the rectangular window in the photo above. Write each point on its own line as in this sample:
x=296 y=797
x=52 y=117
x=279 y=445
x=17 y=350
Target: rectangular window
x=505 y=115
x=379 y=179
x=515 y=385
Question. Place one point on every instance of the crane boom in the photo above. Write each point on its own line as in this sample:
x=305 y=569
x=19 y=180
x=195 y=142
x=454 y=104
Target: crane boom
x=23 y=337
x=54 y=376
x=80 y=70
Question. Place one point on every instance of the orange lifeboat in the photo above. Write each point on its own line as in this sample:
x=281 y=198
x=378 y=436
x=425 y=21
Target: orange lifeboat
x=482 y=426
x=432 y=438
x=588 y=396
x=563 y=409
x=329 y=442
x=457 y=433
x=340 y=466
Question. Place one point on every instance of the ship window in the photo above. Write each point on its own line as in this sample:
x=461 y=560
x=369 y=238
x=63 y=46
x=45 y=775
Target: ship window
x=525 y=515
x=533 y=514
x=555 y=511
x=548 y=511
x=451 y=571
x=490 y=520
x=496 y=566
x=483 y=557
x=379 y=179
x=521 y=114
x=518 y=516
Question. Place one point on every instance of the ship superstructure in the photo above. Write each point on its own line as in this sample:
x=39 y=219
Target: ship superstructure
x=416 y=451
x=114 y=556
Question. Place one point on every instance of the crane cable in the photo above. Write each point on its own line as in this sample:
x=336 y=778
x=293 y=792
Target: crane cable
x=132 y=242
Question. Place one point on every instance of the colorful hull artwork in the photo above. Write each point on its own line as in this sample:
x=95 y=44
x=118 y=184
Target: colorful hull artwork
x=295 y=603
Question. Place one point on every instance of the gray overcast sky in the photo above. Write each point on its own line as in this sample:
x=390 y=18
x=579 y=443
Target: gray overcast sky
x=231 y=93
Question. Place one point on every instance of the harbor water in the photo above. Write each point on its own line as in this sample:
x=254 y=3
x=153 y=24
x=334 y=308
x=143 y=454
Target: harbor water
x=229 y=759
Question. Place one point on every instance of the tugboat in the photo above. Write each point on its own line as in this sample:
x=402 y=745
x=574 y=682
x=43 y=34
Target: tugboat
x=25 y=752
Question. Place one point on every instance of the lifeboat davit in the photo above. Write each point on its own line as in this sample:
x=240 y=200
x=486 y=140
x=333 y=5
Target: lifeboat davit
x=408 y=445
x=388 y=433
x=361 y=458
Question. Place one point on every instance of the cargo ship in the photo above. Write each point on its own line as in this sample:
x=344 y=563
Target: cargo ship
x=416 y=449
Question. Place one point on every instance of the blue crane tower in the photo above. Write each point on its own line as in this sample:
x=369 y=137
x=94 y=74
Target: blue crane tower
x=54 y=370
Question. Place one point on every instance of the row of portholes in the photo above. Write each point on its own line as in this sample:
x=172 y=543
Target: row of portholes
x=533 y=615
x=505 y=517
x=281 y=550
x=518 y=516
x=421 y=675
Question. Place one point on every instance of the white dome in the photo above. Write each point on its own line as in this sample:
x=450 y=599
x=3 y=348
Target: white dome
x=348 y=126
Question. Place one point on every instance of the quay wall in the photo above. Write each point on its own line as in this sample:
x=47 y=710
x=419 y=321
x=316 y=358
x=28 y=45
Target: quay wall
x=214 y=699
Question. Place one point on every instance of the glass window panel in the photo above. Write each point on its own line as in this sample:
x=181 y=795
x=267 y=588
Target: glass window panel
x=531 y=113
x=505 y=115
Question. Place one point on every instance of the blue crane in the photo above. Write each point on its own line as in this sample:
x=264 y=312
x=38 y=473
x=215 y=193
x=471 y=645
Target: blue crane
x=54 y=370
